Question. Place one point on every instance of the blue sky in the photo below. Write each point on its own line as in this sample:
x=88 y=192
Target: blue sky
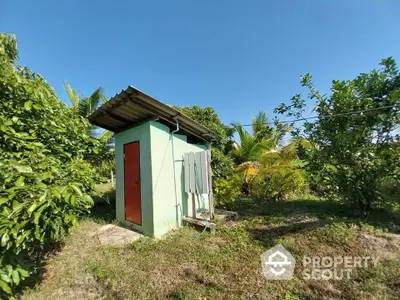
x=236 y=56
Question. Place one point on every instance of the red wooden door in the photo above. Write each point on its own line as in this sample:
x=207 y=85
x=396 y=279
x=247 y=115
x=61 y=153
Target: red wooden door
x=133 y=208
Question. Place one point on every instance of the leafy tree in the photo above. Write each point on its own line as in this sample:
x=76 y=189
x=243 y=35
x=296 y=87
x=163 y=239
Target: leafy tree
x=354 y=145
x=221 y=163
x=44 y=174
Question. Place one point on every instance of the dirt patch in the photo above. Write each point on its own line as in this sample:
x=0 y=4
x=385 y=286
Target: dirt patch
x=384 y=245
x=217 y=240
x=85 y=286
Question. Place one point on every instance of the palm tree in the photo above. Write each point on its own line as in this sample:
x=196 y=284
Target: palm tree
x=260 y=126
x=84 y=107
x=282 y=170
x=252 y=146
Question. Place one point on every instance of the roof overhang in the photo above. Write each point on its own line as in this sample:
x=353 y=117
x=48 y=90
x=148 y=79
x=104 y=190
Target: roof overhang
x=132 y=107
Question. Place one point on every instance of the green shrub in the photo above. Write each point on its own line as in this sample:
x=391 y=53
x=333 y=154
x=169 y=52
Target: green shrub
x=44 y=176
x=278 y=184
x=227 y=190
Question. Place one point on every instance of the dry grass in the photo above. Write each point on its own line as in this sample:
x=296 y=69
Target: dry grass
x=186 y=265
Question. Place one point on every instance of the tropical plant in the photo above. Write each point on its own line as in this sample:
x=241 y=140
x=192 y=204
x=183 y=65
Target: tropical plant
x=263 y=138
x=227 y=190
x=85 y=106
x=353 y=135
x=44 y=176
x=250 y=147
x=281 y=175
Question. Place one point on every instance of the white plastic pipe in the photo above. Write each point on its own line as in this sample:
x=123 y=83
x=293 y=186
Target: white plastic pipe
x=173 y=165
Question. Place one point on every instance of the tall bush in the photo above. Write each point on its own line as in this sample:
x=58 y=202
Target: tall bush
x=227 y=190
x=44 y=176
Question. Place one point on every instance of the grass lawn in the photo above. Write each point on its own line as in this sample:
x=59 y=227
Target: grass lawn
x=189 y=265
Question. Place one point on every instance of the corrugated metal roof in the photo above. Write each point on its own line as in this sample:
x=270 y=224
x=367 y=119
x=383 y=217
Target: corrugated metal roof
x=132 y=107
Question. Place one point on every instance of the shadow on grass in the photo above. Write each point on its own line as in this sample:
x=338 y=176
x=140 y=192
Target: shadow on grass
x=104 y=207
x=35 y=263
x=270 y=220
x=287 y=229
x=102 y=211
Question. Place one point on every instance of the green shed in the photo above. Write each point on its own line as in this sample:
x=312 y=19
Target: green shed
x=155 y=190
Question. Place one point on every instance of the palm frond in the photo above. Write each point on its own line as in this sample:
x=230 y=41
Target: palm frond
x=104 y=98
x=259 y=122
x=91 y=103
x=106 y=136
x=72 y=95
x=241 y=131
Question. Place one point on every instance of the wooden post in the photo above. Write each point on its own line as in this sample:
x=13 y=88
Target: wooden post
x=194 y=211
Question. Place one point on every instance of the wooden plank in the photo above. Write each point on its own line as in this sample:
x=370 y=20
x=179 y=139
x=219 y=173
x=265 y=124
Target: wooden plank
x=226 y=214
x=194 y=210
x=198 y=171
x=204 y=173
x=192 y=183
x=186 y=171
x=210 y=190
x=201 y=223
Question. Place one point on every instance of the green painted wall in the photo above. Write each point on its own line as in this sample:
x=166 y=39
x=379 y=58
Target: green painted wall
x=162 y=209
x=141 y=134
x=168 y=211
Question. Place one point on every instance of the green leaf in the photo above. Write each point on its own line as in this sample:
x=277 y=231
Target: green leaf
x=23 y=169
x=20 y=181
x=4 y=239
x=24 y=273
x=37 y=232
x=33 y=207
x=5 y=287
x=78 y=191
x=5 y=278
x=3 y=200
x=28 y=105
x=38 y=214
x=15 y=277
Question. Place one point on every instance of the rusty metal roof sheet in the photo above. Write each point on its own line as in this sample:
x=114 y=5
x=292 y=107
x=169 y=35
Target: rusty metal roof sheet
x=132 y=107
